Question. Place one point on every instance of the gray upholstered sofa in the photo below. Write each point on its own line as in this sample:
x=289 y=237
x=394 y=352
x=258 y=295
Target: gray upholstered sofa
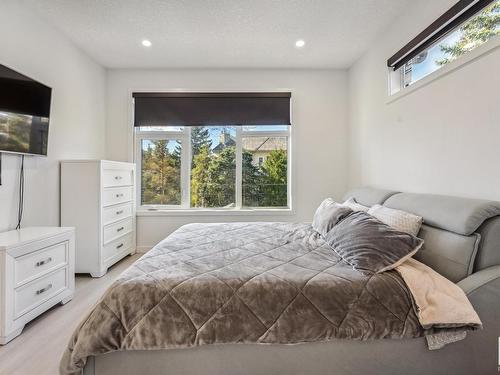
x=462 y=242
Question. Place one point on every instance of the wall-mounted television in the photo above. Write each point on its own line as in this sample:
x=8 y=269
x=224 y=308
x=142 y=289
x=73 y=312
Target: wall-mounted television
x=24 y=113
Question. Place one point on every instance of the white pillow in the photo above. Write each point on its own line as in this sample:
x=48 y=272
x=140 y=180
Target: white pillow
x=355 y=206
x=397 y=219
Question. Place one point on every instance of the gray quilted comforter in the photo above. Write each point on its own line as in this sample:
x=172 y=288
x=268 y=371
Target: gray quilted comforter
x=242 y=283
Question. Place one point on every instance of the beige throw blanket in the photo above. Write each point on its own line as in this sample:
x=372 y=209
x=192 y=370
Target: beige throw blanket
x=438 y=301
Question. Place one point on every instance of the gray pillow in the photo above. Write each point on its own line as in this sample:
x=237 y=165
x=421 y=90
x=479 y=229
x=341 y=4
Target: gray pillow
x=367 y=244
x=327 y=215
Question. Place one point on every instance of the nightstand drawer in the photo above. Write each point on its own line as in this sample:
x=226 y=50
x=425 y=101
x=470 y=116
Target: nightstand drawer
x=29 y=296
x=112 y=196
x=118 y=246
x=115 y=213
x=36 y=264
x=116 y=230
x=117 y=177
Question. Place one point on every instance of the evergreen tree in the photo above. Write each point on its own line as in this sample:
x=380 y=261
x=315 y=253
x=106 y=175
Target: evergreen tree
x=200 y=178
x=177 y=154
x=222 y=178
x=475 y=32
x=274 y=172
x=251 y=182
x=200 y=137
x=146 y=176
x=161 y=175
x=213 y=175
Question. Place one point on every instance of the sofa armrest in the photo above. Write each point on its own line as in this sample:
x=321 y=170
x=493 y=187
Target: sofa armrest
x=483 y=290
x=485 y=277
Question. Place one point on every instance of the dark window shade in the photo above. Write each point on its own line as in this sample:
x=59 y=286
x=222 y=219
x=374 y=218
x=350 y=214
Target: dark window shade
x=205 y=109
x=452 y=18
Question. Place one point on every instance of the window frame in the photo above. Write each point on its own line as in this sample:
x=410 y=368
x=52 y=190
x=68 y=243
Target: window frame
x=185 y=139
x=185 y=207
x=396 y=78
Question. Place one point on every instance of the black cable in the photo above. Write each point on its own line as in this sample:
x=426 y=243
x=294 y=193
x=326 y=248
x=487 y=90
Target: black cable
x=21 y=194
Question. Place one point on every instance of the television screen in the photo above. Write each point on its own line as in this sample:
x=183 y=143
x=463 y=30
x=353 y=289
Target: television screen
x=24 y=113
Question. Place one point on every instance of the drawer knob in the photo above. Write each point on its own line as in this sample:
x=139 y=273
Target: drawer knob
x=118 y=177
x=119 y=195
x=119 y=246
x=40 y=291
x=119 y=212
x=120 y=229
x=42 y=262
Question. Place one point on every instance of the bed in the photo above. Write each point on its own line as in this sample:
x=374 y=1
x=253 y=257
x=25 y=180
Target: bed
x=297 y=308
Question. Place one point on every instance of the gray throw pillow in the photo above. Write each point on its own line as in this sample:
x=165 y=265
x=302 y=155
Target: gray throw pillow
x=327 y=215
x=367 y=244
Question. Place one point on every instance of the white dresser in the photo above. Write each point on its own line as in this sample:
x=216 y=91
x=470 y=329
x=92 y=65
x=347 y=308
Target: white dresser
x=36 y=273
x=98 y=198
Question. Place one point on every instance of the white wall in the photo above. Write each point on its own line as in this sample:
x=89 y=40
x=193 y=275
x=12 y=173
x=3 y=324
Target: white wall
x=442 y=138
x=35 y=49
x=319 y=131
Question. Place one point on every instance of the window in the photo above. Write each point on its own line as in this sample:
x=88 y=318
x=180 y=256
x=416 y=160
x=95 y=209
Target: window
x=213 y=167
x=265 y=170
x=219 y=167
x=161 y=171
x=457 y=32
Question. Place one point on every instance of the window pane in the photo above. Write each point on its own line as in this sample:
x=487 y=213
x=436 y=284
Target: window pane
x=265 y=166
x=470 y=35
x=161 y=128
x=265 y=128
x=213 y=166
x=161 y=171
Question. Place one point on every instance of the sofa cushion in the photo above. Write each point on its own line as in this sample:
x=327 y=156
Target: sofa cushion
x=459 y=215
x=369 y=196
x=450 y=254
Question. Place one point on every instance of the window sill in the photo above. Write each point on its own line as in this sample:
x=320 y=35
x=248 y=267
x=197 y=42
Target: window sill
x=486 y=48
x=216 y=212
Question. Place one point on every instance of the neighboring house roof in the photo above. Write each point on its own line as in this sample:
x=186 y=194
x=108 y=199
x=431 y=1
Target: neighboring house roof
x=225 y=141
x=254 y=144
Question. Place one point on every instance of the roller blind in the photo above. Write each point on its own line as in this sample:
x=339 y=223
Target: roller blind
x=205 y=109
x=453 y=17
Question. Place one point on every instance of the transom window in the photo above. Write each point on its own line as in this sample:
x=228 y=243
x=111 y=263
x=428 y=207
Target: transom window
x=222 y=167
x=463 y=28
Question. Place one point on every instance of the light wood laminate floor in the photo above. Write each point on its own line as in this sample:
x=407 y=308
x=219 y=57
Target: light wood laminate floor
x=38 y=349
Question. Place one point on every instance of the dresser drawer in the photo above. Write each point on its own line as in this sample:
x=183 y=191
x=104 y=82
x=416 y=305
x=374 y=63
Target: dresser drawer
x=115 y=213
x=117 y=246
x=116 y=230
x=112 y=196
x=117 y=177
x=34 y=265
x=31 y=295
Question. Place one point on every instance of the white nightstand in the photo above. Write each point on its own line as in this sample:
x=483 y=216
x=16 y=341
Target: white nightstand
x=37 y=271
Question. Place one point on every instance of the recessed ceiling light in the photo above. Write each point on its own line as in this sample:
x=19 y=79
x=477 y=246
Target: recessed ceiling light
x=300 y=43
x=146 y=43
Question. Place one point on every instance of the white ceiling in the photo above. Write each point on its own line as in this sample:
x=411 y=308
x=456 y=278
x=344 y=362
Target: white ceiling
x=221 y=33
